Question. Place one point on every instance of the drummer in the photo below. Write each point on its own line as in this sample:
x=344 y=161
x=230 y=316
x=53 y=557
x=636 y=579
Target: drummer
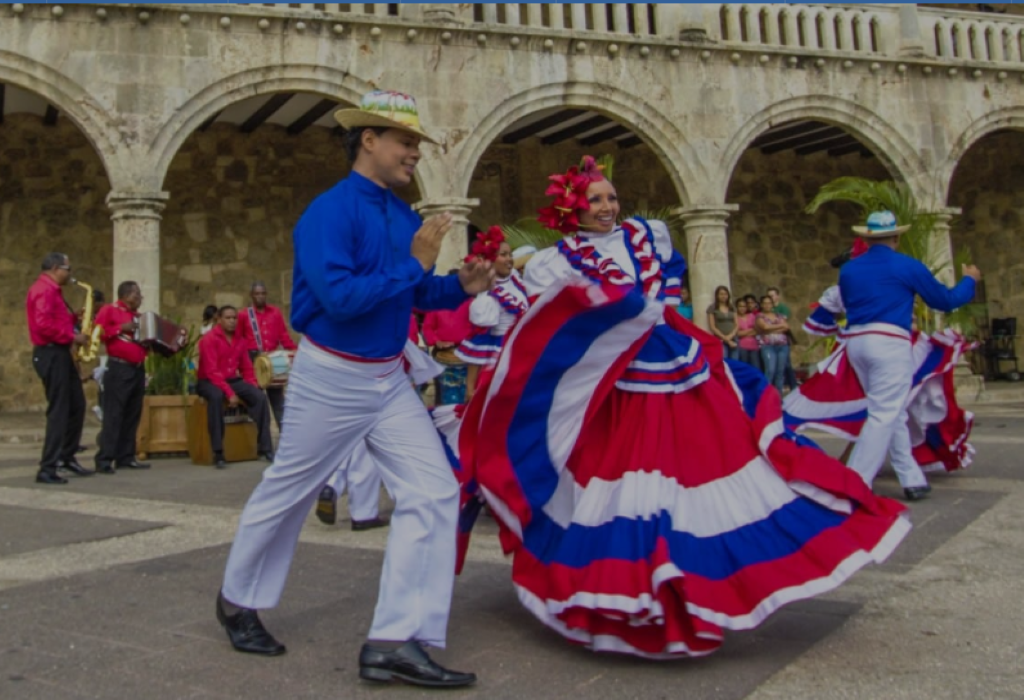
x=262 y=329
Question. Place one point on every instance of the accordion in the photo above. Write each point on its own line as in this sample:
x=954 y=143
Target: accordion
x=159 y=334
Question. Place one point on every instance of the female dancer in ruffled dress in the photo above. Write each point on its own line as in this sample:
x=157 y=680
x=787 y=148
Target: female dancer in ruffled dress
x=833 y=400
x=645 y=488
x=492 y=313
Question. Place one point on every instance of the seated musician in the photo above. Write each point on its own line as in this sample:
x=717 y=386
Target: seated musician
x=263 y=328
x=225 y=375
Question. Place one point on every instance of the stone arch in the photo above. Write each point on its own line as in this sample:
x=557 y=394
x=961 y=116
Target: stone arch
x=657 y=131
x=891 y=147
x=1006 y=118
x=308 y=78
x=77 y=104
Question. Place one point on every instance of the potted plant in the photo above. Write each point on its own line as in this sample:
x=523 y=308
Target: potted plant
x=164 y=423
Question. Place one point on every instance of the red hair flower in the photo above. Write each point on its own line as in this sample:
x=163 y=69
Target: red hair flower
x=487 y=245
x=570 y=193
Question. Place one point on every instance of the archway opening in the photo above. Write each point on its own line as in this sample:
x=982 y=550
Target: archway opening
x=772 y=241
x=53 y=189
x=511 y=176
x=987 y=185
x=237 y=186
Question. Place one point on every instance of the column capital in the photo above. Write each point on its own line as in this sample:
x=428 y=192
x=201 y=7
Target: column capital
x=944 y=214
x=459 y=207
x=710 y=213
x=137 y=205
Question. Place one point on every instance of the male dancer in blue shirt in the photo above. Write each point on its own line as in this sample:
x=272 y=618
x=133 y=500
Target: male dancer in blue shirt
x=363 y=260
x=878 y=290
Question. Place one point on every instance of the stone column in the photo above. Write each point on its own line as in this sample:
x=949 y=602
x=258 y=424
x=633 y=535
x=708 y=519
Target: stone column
x=707 y=253
x=456 y=243
x=940 y=245
x=136 y=217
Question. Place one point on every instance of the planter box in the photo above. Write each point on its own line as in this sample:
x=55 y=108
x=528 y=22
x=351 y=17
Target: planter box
x=164 y=424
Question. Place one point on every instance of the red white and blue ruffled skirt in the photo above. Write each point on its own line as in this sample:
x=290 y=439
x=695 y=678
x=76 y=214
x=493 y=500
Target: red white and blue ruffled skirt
x=832 y=400
x=646 y=489
x=480 y=349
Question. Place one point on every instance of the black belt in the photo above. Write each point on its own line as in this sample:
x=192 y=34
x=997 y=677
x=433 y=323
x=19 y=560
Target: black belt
x=53 y=345
x=119 y=361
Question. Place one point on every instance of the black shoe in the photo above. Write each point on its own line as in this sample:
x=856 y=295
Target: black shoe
x=246 y=632
x=327 y=506
x=134 y=464
x=360 y=525
x=917 y=493
x=75 y=468
x=48 y=478
x=105 y=468
x=267 y=455
x=411 y=664
x=80 y=448
x=219 y=461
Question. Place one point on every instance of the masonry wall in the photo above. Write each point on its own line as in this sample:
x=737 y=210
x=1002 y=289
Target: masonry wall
x=772 y=242
x=989 y=186
x=52 y=198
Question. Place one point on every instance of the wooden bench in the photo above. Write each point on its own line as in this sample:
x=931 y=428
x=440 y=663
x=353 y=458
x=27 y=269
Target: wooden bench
x=239 y=435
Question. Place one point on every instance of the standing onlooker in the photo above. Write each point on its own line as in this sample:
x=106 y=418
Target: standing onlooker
x=209 y=319
x=685 y=307
x=746 y=335
x=774 y=338
x=752 y=305
x=722 y=321
x=51 y=328
x=782 y=308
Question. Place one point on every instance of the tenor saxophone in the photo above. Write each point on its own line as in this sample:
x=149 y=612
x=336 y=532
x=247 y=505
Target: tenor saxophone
x=88 y=352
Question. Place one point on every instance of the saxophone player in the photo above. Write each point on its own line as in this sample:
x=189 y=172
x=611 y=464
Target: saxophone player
x=124 y=383
x=51 y=329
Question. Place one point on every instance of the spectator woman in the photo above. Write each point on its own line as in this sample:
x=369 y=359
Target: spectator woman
x=722 y=321
x=773 y=334
x=746 y=335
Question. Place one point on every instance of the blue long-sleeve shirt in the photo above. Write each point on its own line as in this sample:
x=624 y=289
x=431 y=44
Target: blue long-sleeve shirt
x=879 y=287
x=355 y=282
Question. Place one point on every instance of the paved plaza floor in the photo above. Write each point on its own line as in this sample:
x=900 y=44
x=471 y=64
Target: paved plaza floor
x=107 y=589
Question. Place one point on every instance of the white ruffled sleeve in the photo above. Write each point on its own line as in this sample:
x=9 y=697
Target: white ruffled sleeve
x=832 y=300
x=662 y=240
x=545 y=269
x=484 y=311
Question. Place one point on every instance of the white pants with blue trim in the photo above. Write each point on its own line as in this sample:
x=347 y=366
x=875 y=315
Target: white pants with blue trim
x=885 y=367
x=333 y=406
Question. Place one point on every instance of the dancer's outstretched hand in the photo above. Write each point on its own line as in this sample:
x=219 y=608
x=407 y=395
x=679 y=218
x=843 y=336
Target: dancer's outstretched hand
x=476 y=277
x=426 y=244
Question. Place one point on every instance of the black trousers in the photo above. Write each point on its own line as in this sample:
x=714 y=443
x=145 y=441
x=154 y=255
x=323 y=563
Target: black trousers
x=65 y=405
x=124 y=389
x=256 y=404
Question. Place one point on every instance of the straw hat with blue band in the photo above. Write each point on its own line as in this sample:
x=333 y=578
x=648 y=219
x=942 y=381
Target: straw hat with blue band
x=880 y=224
x=386 y=109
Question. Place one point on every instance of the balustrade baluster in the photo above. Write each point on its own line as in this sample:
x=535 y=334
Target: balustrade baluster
x=556 y=15
x=826 y=21
x=808 y=29
x=732 y=23
x=490 y=11
x=620 y=17
x=790 y=31
x=751 y=24
x=534 y=15
x=770 y=22
x=578 y=16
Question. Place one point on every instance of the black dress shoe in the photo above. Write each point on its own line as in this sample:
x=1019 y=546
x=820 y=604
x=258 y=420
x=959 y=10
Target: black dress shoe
x=105 y=469
x=80 y=448
x=327 y=506
x=360 y=525
x=411 y=664
x=246 y=632
x=267 y=455
x=48 y=478
x=75 y=468
x=219 y=461
x=916 y=493
x=134 y=464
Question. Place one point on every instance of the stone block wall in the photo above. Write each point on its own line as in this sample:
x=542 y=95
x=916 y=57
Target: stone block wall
x=52 y=198
x=772 y=242
x=989 y=186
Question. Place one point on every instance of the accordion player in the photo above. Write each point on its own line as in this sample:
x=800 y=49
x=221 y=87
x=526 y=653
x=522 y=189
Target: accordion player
x=159 y=334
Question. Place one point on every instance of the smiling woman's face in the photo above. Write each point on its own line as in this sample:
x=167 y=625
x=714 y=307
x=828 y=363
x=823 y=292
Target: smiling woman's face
x=604 y=208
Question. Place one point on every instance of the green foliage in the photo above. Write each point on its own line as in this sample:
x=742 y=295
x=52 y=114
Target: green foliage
x=170 y=375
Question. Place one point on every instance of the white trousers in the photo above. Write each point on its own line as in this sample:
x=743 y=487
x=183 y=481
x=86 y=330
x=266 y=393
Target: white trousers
x=885 y=368
x=360 y=475
x=333 y=406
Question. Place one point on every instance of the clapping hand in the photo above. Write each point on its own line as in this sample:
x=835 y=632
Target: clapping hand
x=476 y=276
x=426 y=243
x=972 y=271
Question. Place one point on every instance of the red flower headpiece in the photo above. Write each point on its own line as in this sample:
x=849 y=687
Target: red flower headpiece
x=486 y=245
x=570 y=193
x=858 y=249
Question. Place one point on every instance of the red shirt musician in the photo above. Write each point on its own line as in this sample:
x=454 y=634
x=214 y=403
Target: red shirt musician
x=51 y=328
x=225 y=375
x=263 y=329
x=124 y=382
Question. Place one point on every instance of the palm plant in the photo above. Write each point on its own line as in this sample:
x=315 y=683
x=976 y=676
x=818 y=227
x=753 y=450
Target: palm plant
x=529 y=231
x=170 y=375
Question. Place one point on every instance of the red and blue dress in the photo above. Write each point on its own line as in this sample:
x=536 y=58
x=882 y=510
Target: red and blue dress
x=647 y=489
x=492 y=315
x=833 y=401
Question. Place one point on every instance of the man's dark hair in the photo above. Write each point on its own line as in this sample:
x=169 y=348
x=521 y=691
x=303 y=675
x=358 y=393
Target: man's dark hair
x=226 y=307
x=125 y=288
x=209 y=312
x=54 y=260
x=841 y=259
x=256 y=284
x=98 y=297
x=354 y=140
x=773 y=289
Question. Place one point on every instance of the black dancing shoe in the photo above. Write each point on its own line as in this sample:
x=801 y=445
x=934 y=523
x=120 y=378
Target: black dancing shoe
x=48 y=478
x=411 y=664
x=360 y=525
x=327 y=506
x=105 y=468
x=246 y=632
x=917 y=493
x=218 y=460
x=74 y=467
x=134 y=464
x=267 y=455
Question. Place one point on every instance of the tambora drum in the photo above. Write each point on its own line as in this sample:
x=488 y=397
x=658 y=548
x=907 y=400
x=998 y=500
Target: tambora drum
x=272 y=368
